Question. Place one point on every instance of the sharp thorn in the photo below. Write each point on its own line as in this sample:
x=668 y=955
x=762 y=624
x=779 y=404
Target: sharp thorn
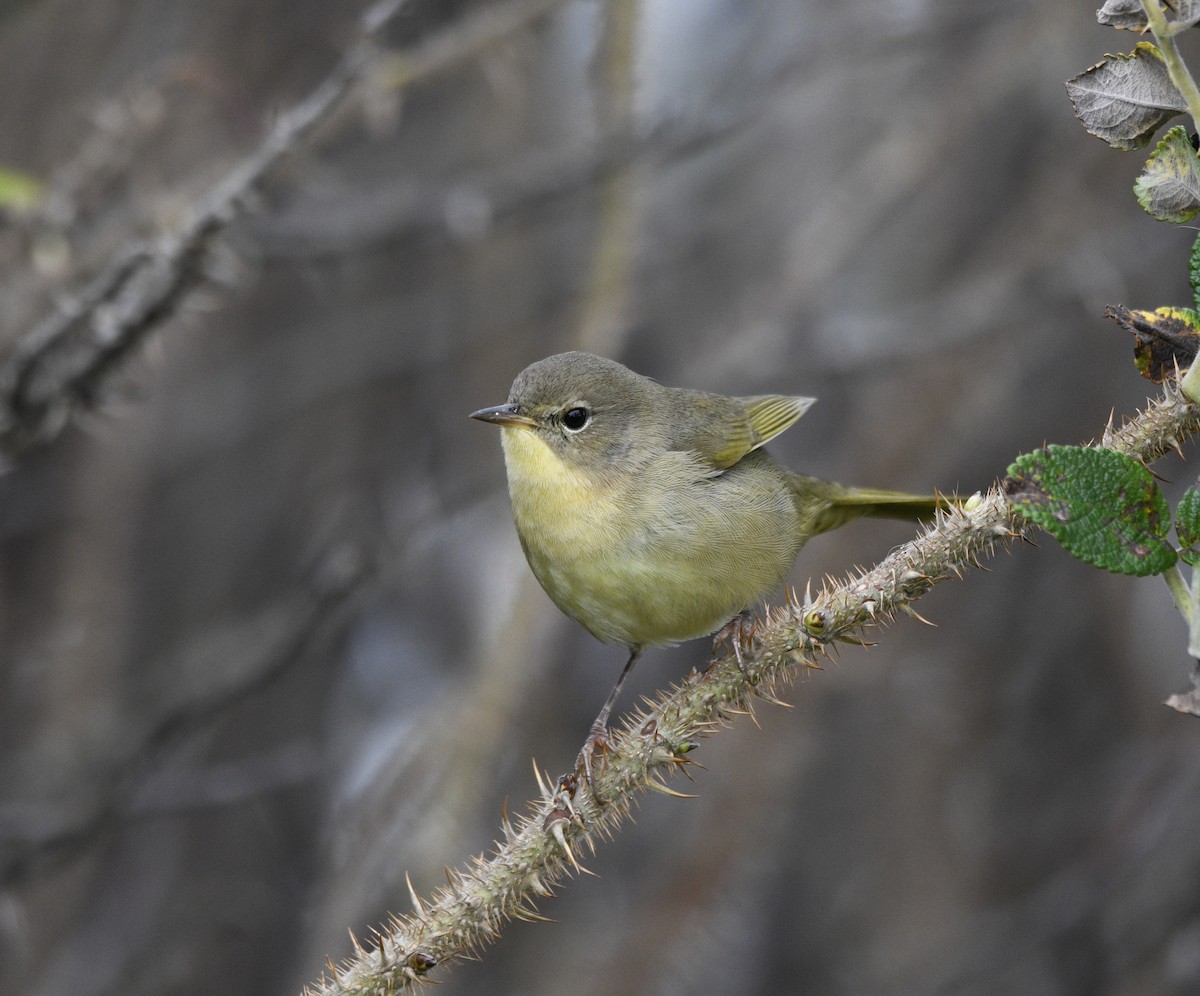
x=537 y=773
x=524 y=913
x=916 y=615
x=661 y=787
x=767 y=696
x=412 y=893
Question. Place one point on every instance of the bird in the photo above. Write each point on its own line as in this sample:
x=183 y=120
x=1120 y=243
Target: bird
x=652 y=515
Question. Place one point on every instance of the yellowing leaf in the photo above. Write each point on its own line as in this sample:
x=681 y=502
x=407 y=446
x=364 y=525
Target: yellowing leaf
x=1169 y=185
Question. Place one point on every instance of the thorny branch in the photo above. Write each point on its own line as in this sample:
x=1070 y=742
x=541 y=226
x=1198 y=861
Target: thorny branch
x=541 y=848
x=60 y=364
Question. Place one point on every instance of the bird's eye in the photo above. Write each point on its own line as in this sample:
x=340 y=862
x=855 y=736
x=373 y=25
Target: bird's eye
x=575 y=418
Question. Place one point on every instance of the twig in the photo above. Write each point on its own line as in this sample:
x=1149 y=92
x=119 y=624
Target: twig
x=60 y=364
x=544 y=846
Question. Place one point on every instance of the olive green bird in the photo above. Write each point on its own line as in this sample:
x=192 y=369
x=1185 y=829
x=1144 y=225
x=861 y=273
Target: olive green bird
x=651 y=514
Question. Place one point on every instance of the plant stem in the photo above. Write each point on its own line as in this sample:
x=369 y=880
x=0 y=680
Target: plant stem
x=1180 y=592
x=1161 y=28
x=1189 y=384
x=1194 y=623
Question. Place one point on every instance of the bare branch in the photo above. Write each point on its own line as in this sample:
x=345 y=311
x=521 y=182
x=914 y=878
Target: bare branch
x=61 y=363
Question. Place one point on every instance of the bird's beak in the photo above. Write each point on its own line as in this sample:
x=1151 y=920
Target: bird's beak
x=504 y=415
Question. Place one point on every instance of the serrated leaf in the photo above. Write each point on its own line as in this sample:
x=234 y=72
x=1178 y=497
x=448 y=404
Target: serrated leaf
x=1130 y=15
x=1194 y=272
x=1103 y=507
x=1125 y=99
x=1187 y=526
x=1169 y=185
x=1165 y=339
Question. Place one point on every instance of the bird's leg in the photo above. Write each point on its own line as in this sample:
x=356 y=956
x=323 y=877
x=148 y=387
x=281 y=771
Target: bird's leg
x=740 y=629
x=598 y=735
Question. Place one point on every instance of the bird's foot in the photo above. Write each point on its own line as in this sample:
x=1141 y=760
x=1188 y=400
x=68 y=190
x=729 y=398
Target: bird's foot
x=597 y=742
x=735 y=634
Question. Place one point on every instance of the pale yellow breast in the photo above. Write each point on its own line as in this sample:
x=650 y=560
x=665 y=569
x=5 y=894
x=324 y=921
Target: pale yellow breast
x=575 y=531
x=663 y=554
x=559 y=505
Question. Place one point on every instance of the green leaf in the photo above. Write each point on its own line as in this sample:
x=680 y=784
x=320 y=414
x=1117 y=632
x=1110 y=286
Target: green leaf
x=19 y=191
x=1103 y=507
x=1187 y=526
x=1194 y=272
x=1169 y=185
x=1125 y=99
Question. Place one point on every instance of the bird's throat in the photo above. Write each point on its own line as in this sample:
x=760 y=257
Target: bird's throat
x=544 y=487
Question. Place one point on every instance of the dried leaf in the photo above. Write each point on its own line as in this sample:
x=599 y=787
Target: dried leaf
x=1125 y=99
x=1186 y=702
x=1165 y=340
x=1130 y=15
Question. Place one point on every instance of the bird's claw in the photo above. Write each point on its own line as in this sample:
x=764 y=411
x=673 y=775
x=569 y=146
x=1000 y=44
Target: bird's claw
x=597 y=741
x=739 y=631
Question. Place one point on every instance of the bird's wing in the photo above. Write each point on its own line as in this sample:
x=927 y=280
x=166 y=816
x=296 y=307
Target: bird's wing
x=743 y=425
x=770 y=414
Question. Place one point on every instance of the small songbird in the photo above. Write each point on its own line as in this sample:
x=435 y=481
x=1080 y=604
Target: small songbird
x=650 y=514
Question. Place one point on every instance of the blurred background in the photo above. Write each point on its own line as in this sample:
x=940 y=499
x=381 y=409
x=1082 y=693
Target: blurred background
x=267 y=639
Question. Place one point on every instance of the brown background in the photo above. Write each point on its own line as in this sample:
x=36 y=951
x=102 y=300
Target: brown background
x=268 y=641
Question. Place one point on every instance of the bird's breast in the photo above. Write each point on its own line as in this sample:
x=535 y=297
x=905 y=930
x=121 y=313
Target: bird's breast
x=660 y=554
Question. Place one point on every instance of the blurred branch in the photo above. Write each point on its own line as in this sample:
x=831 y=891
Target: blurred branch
x=606 y=297
x=532 y=182
x=61 y=363
x=135 y=785
x=541 y=849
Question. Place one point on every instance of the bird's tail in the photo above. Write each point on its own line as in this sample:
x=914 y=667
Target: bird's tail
x=832 y=505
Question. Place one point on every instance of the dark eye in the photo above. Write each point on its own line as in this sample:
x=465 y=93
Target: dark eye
x=575 y=418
